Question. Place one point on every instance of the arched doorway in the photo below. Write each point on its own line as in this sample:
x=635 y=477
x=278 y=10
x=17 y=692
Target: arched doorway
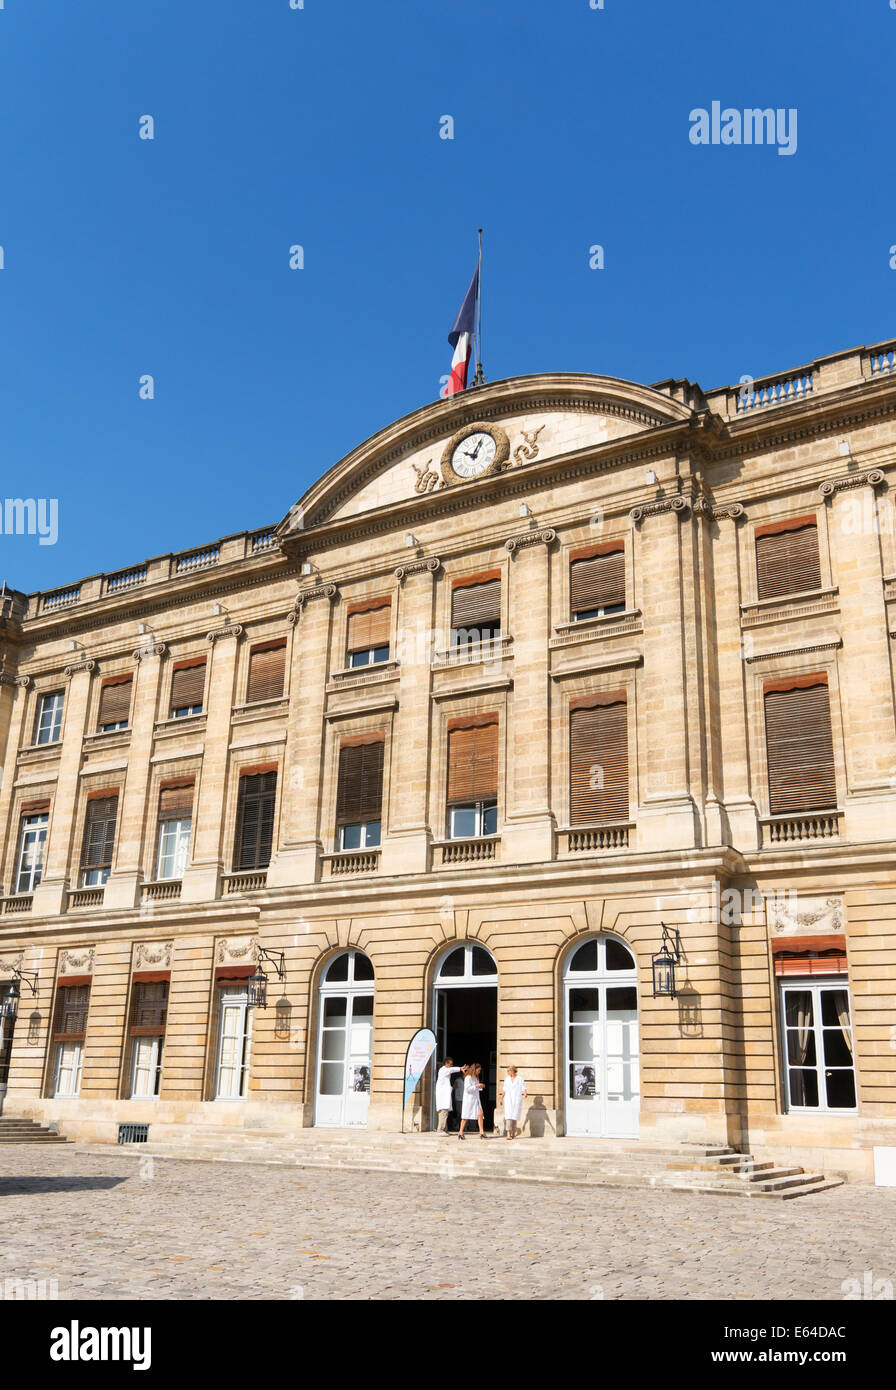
x=344 y=1041
x=600 y=1003
x=465 y=1009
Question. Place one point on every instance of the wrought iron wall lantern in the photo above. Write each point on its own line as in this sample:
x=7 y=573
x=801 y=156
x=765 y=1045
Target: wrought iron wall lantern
x=12 y=992
x=664 y=963
x=258 y=983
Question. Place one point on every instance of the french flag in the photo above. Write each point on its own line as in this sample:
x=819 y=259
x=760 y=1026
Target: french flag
x=461 y=339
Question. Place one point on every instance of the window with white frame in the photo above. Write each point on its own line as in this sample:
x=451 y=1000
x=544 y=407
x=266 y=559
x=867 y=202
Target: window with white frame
x=71 y=1026
x=474 y=819
x=174 y=847
x=234 y=1043
x=819 y=1061
x=48 y=727
x=32 y=843
x=149 y=1012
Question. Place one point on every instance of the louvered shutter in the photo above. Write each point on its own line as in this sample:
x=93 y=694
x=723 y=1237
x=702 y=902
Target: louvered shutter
x=359 y=793
x=800 y=750
x=267 y=673
x=99 y=832
x=115 y=702
x=187 y=686
x=176 y=803
x=473 y=764
x=369 y=626
x=255 y=821
x=787 y=561
x=597 y=581
x=598 y=764
x=150 y=1008
x=476 y=605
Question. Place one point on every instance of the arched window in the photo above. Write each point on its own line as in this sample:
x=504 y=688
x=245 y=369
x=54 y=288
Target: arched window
x=466 y=965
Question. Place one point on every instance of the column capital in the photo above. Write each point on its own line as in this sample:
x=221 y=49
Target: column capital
x=87 y=664
x=316 y=591
x=704 y=506
x=871 y=477
x=546 y=535
x=231 y=630
x=7 y=679
x=678 y=503
x=418 y=567
x=151 y=649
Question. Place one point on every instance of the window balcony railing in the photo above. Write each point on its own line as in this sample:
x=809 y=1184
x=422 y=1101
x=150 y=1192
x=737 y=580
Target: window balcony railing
x=474 y=653
x=18 y=902
x=593 y=839
x=163 y=890
x=801 y=828
x=481 y=849
x=247 y=882
x=354 y=861
x=80 y=898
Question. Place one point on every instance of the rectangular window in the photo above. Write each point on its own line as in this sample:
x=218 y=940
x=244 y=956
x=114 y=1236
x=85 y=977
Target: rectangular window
x=68 y=1035
x=267 y=671
x=597 y=580
x=175 y=821
x=255 y=821
x=149 y=1016
x=598 y=760
x=473 y=776
x=476 y=610
x=115 y=703
x=234 y=1043
x=369 y=630
x=359 y=793
x=787 y=557
x=187 y=688
x=48 y=727
x=99 y=839
x=818 y=1047
x=32 y=843
x=799 y=746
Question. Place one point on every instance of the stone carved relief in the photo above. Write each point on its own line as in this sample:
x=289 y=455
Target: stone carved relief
x=527 y=450
x=13 y=962
x=427 y=480
x=792 y=915
x=77 y=962
x=236 y=950
x=153 y=953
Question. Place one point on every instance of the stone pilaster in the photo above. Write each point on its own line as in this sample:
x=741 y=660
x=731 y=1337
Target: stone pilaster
x=123 y=886
x=13 y=700
x=50 y=894
x=202 y=877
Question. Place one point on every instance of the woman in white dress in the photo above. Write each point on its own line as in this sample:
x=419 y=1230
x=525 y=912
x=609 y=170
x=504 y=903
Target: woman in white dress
x=472 y=1106
x=514 y=1091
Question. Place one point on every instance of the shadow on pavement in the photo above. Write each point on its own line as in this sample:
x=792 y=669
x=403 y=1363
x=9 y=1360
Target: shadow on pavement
x=22 y=1187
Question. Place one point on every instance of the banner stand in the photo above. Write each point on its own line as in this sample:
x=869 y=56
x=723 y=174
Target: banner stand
x=416 y=1059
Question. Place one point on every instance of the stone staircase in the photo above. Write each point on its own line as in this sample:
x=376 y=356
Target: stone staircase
x=28 y=1132
x=585 y=1162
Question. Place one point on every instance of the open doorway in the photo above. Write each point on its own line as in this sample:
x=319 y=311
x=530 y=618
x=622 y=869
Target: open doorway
x=466 y=1022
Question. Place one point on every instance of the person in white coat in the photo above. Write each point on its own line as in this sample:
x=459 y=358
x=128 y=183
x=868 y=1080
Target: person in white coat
x=443 y=1092
x=514 y=1091
x=472 y=1105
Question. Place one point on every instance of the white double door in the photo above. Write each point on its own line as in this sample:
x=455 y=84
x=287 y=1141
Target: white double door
x=602 y=1064
x=344 y=1058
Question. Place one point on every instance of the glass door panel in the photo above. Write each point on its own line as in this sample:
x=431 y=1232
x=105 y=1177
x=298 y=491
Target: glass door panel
x=818 y=1048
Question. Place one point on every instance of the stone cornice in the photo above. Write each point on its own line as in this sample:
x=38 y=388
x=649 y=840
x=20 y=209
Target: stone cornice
x=872 y=477
x=230 y=630
x=418 y=567
x=545 y=536
x=795 y=651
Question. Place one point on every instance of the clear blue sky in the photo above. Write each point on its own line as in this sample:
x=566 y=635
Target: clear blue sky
x=320 y=126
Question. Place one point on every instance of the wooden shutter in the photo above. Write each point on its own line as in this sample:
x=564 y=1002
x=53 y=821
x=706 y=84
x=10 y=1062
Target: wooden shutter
x=597 y=580
x=359 y=794
x=176 y=802
x=472 y=761
x=267 y=671
x=99 y=832
x=115 y=700
x=188 y=685
x=255 y=821
x=149 y=1011
x=787 y=558
x=800 y=748
x=369 y=625
x=598 y=762
x=476 y=605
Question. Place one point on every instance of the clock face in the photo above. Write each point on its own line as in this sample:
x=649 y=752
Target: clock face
x=473 y=454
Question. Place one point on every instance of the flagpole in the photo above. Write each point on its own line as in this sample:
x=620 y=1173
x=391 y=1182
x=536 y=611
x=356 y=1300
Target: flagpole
x=479 y=378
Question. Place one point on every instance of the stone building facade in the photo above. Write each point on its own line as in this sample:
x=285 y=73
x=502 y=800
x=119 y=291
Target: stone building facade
x=529 y=675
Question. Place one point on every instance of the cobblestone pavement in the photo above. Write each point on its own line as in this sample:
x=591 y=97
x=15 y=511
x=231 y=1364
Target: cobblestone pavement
x=113 y=1227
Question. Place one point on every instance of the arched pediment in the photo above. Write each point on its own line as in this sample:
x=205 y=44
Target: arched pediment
x=542 y=417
